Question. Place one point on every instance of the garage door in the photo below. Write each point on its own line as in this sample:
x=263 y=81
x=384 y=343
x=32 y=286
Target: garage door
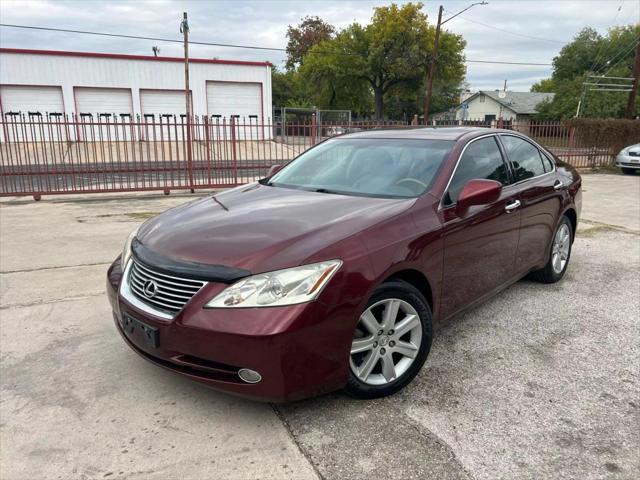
x=34 y=102
x=104 y=105
x=161 y=113
x=241 y=100
x=25 y=99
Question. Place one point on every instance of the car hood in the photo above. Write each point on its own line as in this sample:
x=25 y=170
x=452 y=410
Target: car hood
x=633 y=148
x=261 y=228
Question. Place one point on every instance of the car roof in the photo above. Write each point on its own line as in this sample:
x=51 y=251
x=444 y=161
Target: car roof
x=422 y=133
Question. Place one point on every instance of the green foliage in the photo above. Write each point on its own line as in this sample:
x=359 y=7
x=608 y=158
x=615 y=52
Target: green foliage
x=385 y=60
x=309 y=32
x=545 y=85
x=287 y=90
x=588 y=54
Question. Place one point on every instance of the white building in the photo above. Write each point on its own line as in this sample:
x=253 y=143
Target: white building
x=487 y=105
x=128 y=85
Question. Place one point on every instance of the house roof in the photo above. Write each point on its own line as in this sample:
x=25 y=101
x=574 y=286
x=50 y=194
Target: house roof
x=121 y=56
x=519 y=102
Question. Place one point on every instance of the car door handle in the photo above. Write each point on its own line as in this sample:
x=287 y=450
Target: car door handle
x=510 y=207
x=558 y=185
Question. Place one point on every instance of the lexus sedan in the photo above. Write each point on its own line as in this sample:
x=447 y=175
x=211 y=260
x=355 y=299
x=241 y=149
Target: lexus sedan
x=332 y=272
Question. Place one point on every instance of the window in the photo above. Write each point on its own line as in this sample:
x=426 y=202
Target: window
x=548 y=163
x=481 y=160
x=481 y=98
x=524 y=157
x=402 y=168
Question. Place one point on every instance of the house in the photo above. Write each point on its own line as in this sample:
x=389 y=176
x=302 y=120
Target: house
x=490 y=105
x=37 y=82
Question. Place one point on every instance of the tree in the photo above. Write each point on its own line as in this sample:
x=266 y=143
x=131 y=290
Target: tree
x=364 y=64
x=589 y=54
x=309 y=32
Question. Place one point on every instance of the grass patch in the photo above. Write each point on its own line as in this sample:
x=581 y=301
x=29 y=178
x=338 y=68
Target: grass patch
x=141 y=215
x=593 y=231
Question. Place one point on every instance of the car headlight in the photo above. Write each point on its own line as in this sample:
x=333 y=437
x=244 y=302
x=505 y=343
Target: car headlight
x=126 y=251
x=282 y=287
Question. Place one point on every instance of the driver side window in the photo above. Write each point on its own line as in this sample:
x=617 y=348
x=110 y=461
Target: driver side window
x=481 y=160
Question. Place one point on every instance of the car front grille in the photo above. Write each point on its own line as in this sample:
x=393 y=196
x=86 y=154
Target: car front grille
x=162 y=291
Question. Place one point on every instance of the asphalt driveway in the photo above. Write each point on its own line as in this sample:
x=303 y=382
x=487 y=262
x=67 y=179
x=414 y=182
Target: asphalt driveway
x=540 y=382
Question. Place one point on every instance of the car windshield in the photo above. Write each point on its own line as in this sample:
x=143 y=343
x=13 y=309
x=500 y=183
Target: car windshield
x=378 y=167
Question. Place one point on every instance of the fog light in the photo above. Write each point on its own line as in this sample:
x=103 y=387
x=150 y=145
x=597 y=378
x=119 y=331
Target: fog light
x=249 y=376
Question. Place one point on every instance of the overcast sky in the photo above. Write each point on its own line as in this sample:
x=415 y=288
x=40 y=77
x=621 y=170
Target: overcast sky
x=264 y=23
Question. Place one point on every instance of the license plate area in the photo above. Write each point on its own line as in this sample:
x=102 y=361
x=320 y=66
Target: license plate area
x=148 y=333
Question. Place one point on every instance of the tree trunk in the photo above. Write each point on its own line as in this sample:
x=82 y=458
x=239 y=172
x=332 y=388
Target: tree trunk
x=379 y=96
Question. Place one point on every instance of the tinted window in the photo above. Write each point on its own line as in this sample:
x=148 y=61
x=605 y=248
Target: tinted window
x=367 y=166
x=548 y=164
x=524 y=157
x=481 y=160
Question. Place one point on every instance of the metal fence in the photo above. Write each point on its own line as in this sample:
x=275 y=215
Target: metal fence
x=61 y=154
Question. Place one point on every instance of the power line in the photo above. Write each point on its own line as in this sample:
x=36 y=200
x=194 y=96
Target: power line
x=510 y=32
x=229 y=45
x=623 y=53
x=595 y=66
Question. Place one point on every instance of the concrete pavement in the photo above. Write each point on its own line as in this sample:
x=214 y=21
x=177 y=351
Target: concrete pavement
x=539 y=382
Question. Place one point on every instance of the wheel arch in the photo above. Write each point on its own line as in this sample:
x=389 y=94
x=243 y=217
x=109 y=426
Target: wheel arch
x=417 y=279
x=572 y=215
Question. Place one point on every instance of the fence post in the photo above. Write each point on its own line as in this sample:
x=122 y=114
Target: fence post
x=500 y=123
x=207 y=144
x=190 y=153
x=313 y=129
x=233 y=149
x=572 y=138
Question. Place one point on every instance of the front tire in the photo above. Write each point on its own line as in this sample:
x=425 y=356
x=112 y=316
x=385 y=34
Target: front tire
x=391 y=341
x=559 y=256
x=628 y=171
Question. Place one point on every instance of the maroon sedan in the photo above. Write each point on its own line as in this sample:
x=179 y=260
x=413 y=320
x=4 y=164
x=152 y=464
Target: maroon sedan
x=333 y=272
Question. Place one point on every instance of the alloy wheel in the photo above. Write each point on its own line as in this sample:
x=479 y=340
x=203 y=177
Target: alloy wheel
x=386 y=341
x=560 y=249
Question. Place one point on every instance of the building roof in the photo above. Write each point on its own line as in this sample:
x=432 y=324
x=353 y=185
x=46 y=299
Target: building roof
x=120 y=56
x=519 y=102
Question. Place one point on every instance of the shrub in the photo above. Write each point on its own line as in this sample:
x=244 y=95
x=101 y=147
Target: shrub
x=614 y=134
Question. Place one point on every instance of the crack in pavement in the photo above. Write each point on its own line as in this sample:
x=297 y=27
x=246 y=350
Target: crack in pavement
x=349 y=439
x=292 y=437
x=53 y=300
x=57 y=267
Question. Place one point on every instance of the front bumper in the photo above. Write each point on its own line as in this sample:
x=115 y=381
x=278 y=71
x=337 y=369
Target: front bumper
x=299 y=350
x=627 y=161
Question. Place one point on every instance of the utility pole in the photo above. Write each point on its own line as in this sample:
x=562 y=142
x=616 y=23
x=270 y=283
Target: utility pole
x=434 y=57
x=432 y=67
x=184 y=29
x=631 y=104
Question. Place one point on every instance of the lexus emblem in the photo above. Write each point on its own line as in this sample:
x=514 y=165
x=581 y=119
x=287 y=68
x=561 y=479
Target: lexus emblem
x=150 y=288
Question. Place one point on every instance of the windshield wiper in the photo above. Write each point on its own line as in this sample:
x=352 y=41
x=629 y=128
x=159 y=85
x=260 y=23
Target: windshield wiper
x=326 y=190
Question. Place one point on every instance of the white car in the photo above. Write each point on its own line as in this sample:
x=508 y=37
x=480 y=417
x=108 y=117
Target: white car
x=629 y=159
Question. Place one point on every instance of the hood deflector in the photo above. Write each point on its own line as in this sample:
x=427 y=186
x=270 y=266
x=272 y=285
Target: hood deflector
x=197 y=271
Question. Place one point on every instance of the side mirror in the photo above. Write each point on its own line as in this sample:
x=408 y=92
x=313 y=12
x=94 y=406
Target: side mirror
x=273 y=170
x=478 y=192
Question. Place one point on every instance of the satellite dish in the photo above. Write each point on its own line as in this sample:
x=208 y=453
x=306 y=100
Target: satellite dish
x=502 y=94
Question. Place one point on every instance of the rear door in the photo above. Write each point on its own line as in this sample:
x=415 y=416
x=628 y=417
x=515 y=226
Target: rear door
x=479 y=245
x=540 y=192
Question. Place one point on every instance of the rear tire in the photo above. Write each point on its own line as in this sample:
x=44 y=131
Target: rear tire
x=628 y=171
x=559 y=255
x=391 y=341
